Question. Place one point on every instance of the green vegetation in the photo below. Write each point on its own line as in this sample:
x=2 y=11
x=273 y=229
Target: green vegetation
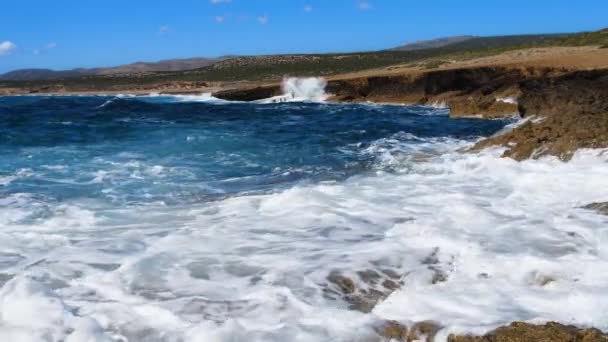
x=585 y=38
x=275 y=67
x=434 y=64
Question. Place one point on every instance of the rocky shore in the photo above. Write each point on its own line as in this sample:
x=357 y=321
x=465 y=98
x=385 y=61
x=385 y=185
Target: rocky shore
x=566 y=110
x=563 y=110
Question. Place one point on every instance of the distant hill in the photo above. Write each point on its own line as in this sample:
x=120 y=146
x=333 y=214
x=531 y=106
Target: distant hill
x=169 y=65
x=433 y=43
x=275 y=67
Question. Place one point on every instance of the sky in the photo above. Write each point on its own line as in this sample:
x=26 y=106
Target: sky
x=65 y=34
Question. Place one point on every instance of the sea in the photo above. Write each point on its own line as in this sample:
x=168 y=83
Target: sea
x=188 y=218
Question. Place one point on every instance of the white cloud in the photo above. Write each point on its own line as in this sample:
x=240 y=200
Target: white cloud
x=7 y=47
x=364 y=5
x=51 y=45
x=220 y=1
x=263 y=19
x=220 y=19
x=307 y=8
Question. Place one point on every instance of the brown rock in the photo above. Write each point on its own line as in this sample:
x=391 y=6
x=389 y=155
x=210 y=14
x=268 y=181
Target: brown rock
x=558 y=135
x=524 y=332
x=378 y=286
x=421 y=331
x=600 y=207
x=393 y=330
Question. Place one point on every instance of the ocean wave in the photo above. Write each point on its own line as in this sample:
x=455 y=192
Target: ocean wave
x=249 y=262
x=192 y=221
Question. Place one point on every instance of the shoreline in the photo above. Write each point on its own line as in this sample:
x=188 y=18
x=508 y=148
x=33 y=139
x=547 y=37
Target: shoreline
x=570 y=108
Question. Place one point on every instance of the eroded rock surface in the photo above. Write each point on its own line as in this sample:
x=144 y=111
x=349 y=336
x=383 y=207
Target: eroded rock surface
x=557 y=135
x=524 y=332
x=364 y=291
x=395 y=331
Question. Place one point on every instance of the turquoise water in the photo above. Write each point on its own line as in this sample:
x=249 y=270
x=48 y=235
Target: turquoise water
x=192 y=219
x=127 y=151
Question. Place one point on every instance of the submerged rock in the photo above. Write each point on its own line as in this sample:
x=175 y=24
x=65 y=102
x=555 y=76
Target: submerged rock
x=421 y=331
x=524 y=332
x=375 y=286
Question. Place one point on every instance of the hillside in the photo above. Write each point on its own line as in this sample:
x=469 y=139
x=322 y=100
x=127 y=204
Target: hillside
x=433 y=43
x=138 y=67
x=143 y=77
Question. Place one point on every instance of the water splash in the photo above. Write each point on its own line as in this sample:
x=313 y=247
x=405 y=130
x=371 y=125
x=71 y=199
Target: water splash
x=296 y=89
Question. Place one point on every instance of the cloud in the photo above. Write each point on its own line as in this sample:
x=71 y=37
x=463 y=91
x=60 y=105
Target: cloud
x=41 y=50
x=164 y=29
x=364 y=5
x=263 y=19
x=220 y=19
x=307 y=8
x=220 y=1
x=7 y=47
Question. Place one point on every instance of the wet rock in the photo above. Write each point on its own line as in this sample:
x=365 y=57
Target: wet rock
x=600 y=207
x=393 y=330
x=369 y=276
x=421 y=331
x=345 y=284
x=390 y=285
x=558 y=135
x=432 y=262
x=524 y=332
x=375 y=287
x=438 y=276
x=249 y=94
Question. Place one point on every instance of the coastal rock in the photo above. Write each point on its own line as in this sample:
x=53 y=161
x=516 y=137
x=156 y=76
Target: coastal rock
x=580 y=92
x=363 y=291
x=572 y=105
x=557 y=135
x=600 y=207
x=249 y=94
x=486 y=107
x=524 y=332
x=421 y=331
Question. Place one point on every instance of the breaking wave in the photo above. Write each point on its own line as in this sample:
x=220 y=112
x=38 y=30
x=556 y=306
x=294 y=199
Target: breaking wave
x=188 y=221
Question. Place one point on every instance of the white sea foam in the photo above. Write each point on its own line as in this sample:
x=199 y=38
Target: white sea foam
x=510 y=99
x=297 y=89
x=509 y=237
x=439 y=105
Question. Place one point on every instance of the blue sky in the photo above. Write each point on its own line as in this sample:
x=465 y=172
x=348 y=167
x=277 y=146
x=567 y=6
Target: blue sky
x=62 y=34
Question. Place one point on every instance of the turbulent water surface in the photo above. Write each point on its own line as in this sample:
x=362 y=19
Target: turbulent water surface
x=168 y=219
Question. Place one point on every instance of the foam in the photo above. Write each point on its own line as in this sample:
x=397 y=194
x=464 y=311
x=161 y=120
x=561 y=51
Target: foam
x=297 y=89
x=509 y=237
x=31 y=312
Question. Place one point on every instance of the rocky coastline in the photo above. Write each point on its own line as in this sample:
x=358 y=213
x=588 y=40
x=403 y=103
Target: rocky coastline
x=565 y=110
x=562 y=111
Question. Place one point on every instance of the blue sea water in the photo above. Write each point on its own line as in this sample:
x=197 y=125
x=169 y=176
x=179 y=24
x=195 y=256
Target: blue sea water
x=126 y=151
x=192 y=219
